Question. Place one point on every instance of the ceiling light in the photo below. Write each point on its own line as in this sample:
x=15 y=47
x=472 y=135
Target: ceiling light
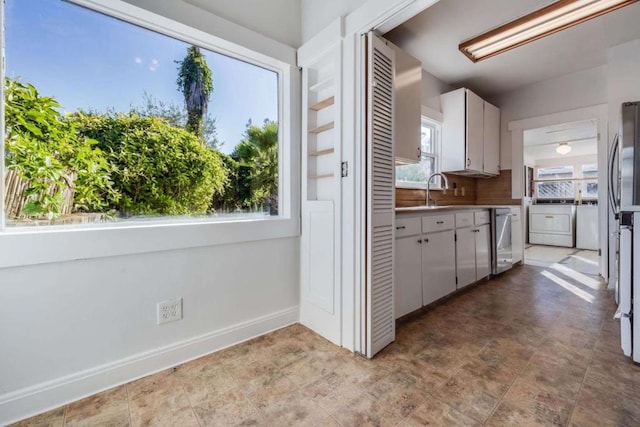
x=563 y=148
x=536 y=25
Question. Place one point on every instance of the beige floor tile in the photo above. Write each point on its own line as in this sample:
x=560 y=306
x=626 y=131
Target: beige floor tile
x=54 y=418
x=110 y=407
x=297 y=410
x=229 y=408
x=160 y=400
x=436 y=413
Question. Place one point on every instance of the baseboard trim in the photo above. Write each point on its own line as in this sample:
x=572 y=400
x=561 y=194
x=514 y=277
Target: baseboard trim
x=33 y=400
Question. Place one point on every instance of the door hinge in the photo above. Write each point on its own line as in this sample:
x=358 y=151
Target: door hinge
x=456 y=280
x=455 y=237
x=345 y=169
x=599 y=252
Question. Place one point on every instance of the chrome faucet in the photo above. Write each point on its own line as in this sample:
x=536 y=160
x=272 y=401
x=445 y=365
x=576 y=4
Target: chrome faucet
x=444 y=178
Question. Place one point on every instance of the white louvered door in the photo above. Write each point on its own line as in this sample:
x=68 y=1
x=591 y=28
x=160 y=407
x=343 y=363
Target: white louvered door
x=380 y=196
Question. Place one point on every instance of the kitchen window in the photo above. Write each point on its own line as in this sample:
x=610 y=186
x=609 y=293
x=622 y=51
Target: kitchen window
x=416 y=175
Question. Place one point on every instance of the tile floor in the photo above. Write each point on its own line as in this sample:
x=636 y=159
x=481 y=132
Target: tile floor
x=526 y=348
x=580 y=260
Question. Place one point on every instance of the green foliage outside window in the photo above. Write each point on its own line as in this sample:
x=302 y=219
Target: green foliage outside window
x=158 y=168
x=44 y=149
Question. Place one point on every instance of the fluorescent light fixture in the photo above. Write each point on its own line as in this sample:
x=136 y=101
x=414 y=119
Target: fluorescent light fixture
x=543 y=22
x=563 y=148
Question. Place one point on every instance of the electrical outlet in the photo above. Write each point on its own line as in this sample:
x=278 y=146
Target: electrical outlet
x=169 y=311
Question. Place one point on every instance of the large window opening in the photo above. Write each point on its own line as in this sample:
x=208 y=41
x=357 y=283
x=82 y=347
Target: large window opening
x=106 y=121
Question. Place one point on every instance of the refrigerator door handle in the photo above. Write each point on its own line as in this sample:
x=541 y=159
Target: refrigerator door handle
x=612 y=197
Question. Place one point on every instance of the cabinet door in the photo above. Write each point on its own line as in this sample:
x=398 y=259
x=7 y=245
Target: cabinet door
x=483 y=251
x=516 y=241
x=438 y=265
x=453 y=155
x=466 y=256
x=491 y=147
x=475 y=132
x=408 y=104
x=408 y=275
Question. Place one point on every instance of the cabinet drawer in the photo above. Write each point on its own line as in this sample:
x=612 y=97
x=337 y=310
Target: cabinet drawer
x=550 y=223
x=482 y=217
x=433 y=223
x=464 y=219
x=407 y=226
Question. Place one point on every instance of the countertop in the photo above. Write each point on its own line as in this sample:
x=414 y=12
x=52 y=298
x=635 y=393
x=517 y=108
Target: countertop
x=419 y=209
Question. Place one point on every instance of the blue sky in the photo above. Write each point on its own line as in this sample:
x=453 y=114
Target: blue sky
x=91 y=61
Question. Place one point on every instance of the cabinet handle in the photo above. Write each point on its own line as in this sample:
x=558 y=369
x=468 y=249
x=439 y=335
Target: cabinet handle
x=439 y=222
x=425 y=241
x=419 y=153
x=419 y=240
x=401 y=227
x=548 y=216
x=468 y=162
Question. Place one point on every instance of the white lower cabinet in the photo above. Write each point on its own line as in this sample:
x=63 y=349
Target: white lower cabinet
x=473 y=254
x=465 y=256
x=429 y=262
x=408 y=275
x=438 y=265
x=483 y=251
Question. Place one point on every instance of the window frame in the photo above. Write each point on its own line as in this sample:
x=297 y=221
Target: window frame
x=35 y=245
x=577 y=179
x=436 y=125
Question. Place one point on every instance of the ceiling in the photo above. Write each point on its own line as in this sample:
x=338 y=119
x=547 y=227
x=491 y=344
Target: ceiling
x=566 y=132
x=541 y=143
x=433 y=37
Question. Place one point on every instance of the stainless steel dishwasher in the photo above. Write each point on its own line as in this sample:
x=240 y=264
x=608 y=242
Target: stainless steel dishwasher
x=501 y=250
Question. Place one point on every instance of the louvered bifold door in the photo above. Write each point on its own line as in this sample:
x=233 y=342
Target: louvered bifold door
x=380 y=196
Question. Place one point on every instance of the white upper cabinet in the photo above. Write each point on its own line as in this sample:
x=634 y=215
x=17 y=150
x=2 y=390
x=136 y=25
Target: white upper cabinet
x=474 y=132
x=408 y=106
x=470 y=134
x=491 y=139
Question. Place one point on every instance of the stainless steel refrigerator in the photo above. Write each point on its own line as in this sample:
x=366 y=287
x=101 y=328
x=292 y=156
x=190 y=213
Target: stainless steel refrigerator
x=625 y=200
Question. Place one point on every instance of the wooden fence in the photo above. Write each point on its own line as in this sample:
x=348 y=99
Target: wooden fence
x=15 y=198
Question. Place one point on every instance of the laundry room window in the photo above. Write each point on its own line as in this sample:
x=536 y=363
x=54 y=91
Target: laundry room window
x=555 y=182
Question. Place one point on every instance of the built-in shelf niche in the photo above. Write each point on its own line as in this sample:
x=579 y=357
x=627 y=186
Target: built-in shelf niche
x=321 y=166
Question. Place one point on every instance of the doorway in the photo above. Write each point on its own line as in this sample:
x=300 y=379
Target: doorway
x=561 y=197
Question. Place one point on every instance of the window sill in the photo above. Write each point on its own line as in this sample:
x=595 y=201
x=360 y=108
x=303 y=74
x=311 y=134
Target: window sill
x=417 y=186
x=30 y=246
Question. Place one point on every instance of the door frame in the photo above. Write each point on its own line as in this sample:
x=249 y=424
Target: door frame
x=378 y=16
x=596 y=112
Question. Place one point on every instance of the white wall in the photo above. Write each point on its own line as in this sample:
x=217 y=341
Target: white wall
x=276 y=19
x=623 y=80
x=317 y=14
x=432 y=88
x=581 y=89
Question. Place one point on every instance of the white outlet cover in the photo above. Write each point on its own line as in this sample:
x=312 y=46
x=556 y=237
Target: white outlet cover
x=169 y=311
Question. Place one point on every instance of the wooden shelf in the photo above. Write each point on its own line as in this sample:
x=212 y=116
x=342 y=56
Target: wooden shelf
x=324 y=127
x=323 y=84
x=326 y=175
x=321 y=152
x=328 y=102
